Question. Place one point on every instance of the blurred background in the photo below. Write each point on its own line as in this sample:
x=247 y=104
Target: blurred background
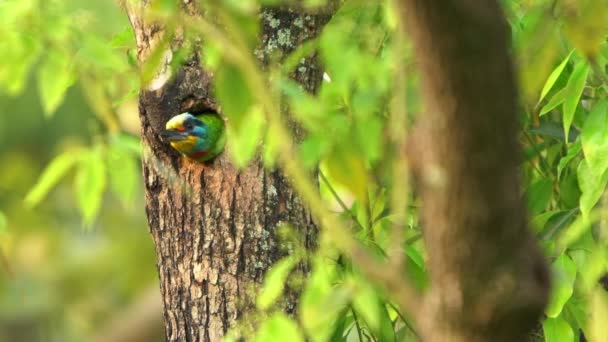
x=64 y=277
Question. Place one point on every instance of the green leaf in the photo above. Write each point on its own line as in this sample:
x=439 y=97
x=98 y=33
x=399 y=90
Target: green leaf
x=553 y=77
x=348 y=169
x=558 y=223
x=557 y=330
x=124 y=173
x=370 y=136
x=128 y=143
x=18 y=53
x=101 y=54
x=564 y=271
x=51 y=175
x=279 y=327
x=575 y=86
x=591 y=186
x=233 y=94
x=243 y=140
x=371 y=308
x=415 y=268
x=576 y=311
x=594 y=267
x=90 y=184
x=555 y=101
x=539 y=195
x=123 y=39
x=538 y=221
x=272 y=145
x=306 y=108
x=321 y=301
x=55 y=76
x=573 y=151
x=594 y=138
x=554 y=130
x=274 y=281
x=339 y=326
x=569 y=191
x=576 y=230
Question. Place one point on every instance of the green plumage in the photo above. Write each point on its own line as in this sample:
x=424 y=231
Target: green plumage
x=199 y=137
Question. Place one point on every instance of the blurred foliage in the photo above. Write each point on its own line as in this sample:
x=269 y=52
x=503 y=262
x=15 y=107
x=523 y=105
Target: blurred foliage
x=76 y=59
x=66 y=83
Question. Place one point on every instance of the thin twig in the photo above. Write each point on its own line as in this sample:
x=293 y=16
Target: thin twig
x=540 y=157
x=405 y=321
x=357 y=323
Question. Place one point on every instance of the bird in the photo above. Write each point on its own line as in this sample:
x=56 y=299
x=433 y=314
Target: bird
x=199 y=137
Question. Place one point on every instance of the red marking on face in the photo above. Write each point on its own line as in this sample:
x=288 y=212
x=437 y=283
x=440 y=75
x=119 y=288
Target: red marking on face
x=198 y=155
x=181 y=128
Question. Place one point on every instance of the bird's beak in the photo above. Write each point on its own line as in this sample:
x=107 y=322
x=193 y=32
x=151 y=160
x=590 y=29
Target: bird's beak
x=173 y=135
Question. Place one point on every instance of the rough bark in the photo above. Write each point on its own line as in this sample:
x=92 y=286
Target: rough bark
x=215 y=227
x=489 y=280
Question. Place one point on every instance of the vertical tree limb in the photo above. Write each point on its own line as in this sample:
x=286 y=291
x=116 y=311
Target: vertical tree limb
x=489 y=279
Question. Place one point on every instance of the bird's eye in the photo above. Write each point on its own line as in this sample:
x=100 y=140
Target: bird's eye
x=188 y=125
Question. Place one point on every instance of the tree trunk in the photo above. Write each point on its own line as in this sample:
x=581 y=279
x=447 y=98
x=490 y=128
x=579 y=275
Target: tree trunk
x=214 y=227
x=489 y=279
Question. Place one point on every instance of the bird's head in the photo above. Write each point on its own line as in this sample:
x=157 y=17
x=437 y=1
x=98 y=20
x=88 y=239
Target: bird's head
x=186 y=133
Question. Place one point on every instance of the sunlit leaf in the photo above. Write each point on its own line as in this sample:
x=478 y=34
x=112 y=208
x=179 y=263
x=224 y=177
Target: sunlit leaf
x=348 y=169
x=555 y=101
x=18 y=54
x=574 y=89
x=279 y=327
x=576 y=230
x=55 y=76
x=123 y=39
x=594 y=268
x=127 y=143
x=321 y=302
x=101 y=53
x=51 y=175
x=594 y=138
x=538 y=221
x=370 y=137
x=557 y=330
x=90 y=184
x=274 y=281
x=124 y=174
x=415 y=268
x=599 y=316
x=272 y=145
x=243 y=140
x=234 y=95
x=307 y=109
x=592 y=186
x=371 y=309
x=553 y=77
